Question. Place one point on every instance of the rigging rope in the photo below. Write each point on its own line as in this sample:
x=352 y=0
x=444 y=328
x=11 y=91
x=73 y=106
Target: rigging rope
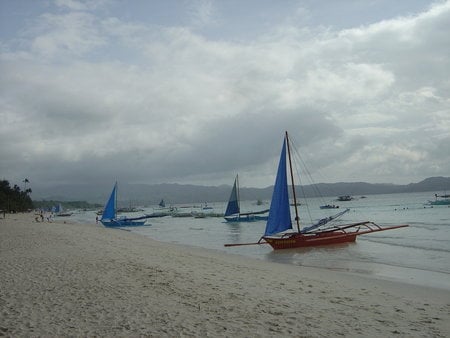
x=300 y=164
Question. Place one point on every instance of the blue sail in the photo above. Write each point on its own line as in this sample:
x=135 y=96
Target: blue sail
x=233 y=202
x=110 y=208
x=279 y=215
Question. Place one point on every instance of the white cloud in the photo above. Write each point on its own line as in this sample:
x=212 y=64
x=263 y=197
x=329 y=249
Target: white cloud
x=202 y=12
x=82 y=5
x=66 y=36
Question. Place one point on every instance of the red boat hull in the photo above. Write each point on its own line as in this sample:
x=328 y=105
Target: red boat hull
x=337 y=236
x=308 y=240
x=343 y=234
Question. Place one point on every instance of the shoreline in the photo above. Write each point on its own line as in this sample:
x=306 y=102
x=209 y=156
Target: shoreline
x=64 y=278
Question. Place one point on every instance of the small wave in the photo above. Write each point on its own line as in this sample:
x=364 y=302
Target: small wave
x=412 y=267
x=366 y=270
x=410 y=246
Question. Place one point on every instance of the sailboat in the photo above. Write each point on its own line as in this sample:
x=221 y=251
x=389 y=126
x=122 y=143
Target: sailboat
x=233 y=212
x=58 y=210
x=279 y=232
x=109 y=216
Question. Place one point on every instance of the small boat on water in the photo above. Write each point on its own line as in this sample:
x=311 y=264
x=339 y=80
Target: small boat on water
x=344 y=198
x=128 y=210
x=157 y=214
x=440 y=200
x=233 y=212
x=59 y=211
x=109 y=216
x=278 y=232
x=329 y=206
x=207 y=207
x=162 y=204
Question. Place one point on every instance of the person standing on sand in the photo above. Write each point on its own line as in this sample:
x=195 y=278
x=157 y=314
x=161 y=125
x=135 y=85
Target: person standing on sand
x=49 y=216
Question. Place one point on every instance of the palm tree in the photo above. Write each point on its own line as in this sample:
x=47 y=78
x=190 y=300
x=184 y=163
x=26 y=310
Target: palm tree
x=25 y=181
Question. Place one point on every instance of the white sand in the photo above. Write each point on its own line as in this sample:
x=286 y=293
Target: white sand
x=61 y=279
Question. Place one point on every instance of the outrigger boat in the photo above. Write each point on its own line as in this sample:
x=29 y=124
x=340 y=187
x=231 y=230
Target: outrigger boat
x=440 y=200
x=278 y=232
x=329 y=206
x=58 y=210
x=109 y=216
x=233 y=212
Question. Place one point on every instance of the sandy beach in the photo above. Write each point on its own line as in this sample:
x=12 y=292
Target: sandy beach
x=62 y=279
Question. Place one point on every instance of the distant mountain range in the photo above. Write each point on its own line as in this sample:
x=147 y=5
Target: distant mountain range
x=143 y=194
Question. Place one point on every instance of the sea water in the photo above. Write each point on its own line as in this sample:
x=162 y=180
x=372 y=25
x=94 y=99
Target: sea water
x=419 y=254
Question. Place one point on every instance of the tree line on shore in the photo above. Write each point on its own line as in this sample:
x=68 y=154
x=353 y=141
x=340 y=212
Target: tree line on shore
x=13 y=199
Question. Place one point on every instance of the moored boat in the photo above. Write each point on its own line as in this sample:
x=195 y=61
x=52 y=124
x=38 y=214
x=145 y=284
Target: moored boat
x=440 y=200
x=59 y=212
x=109 y=216
x=329 y=206
x=344 y=198
x=233 y=212
x=279 y=231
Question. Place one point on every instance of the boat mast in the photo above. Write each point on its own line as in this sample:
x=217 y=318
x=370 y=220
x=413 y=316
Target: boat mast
x=297 y=219
x=115 y=201
x=237 y=194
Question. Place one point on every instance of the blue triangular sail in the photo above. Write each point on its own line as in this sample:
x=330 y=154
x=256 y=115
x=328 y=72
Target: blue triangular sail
x=279 y=215
x=110 y=208
x=233 y=202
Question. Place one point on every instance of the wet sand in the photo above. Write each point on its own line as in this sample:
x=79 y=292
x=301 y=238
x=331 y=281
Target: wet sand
x=61 y=279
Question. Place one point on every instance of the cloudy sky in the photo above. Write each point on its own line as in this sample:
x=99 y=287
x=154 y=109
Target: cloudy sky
x=197 y=91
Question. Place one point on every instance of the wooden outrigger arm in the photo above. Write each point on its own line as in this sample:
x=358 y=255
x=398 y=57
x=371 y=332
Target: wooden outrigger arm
x=241 y=244
x=370 y=226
